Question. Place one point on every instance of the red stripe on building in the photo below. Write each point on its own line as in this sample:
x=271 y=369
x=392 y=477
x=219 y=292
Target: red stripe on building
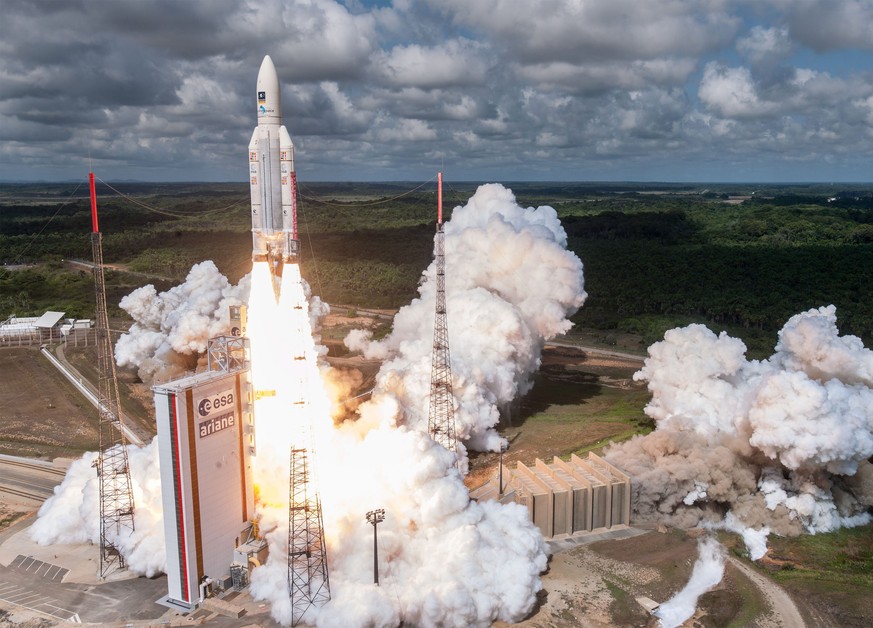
x=180 y=505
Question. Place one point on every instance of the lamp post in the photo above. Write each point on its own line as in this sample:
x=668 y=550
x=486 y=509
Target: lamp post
x=503 y=447
x=376 y=517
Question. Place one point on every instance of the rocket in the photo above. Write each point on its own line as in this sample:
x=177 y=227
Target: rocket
x=272 y=178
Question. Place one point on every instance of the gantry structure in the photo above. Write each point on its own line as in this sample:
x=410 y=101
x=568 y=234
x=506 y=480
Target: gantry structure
x=113 y=470
x=441 y=418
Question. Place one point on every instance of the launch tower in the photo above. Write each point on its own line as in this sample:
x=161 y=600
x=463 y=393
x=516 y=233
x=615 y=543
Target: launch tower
x=308 y=581
x=116 y=498
x=441 y=419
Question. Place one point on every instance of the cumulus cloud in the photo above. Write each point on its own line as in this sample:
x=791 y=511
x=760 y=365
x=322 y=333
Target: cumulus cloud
x=159 y=88
x=731 y=92
x=406 y=130
x=555 y=30
x=765 y=44
x=824 y=25
x=456 y=62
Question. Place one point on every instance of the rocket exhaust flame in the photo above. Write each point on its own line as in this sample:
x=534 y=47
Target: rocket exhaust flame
x=288 y=420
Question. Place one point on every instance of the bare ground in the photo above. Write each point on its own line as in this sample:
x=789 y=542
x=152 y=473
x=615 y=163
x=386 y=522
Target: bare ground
x=41 y=414
x=595 y=586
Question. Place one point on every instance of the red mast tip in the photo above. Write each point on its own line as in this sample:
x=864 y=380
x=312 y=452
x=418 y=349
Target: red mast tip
x=439 y=198
x=94 y=227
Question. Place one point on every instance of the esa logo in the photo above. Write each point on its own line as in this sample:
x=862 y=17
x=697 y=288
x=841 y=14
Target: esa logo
x=217 y=402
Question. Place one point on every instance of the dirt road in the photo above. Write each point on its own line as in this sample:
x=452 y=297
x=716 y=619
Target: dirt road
x=784 y=610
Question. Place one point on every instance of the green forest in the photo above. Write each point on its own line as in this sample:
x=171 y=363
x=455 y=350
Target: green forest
x=738 y=257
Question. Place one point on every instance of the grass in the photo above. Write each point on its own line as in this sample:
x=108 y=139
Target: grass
x=624 y=609
x=843 y=557
x=752 y=605
x=827 y=574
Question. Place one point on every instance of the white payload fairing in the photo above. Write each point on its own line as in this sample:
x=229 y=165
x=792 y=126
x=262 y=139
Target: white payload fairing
x=272 y=178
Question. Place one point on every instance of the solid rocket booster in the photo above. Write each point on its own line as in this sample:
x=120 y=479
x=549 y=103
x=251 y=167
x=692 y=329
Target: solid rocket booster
x=272 y=177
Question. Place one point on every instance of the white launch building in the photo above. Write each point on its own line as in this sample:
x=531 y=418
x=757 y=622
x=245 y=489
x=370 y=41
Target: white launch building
x=205 y=441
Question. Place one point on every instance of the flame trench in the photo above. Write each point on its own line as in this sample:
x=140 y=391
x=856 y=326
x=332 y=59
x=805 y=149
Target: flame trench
x=291 y=409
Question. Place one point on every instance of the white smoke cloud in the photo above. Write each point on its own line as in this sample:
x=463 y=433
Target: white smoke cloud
x=707 y=572
x=773 y=443
x=510 y=286
x=171 y=328
x=72 y=513
x=444 y=559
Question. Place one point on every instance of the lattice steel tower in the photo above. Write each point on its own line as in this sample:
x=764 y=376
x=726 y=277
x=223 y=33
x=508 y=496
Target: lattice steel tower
x=441 y=419
x=308 y=581
x=116 y=498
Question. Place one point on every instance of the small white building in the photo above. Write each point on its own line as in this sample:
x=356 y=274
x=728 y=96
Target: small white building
x=32 y=329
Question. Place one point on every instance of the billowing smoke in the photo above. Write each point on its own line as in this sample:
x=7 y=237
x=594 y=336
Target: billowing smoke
x=510 y=285
x=72 y=513
x=780 y=444
x=171 y=328
x=707 y=572
x=444 y=560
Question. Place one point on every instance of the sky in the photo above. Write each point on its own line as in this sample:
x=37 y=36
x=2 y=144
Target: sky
x=485 y=90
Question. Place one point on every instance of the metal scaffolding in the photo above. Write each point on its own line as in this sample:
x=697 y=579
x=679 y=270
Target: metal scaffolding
x=227 y=353
x=116 y=497
x=441 y=419
x=308 y=581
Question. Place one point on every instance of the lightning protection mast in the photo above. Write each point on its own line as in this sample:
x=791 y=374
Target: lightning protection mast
x=116 y=498
x=441 y=419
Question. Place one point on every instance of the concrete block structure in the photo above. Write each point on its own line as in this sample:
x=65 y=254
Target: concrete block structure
x=566 y=497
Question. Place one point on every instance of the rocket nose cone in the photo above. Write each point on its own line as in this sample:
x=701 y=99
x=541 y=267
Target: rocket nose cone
x=269 y=96
x=267 y=68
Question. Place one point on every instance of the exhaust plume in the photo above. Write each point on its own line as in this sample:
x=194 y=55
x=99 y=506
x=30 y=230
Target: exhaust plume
x=707 y=572
x=72 y=513
x=510 y=286
x=171 y=328
x=444 y=560
x=781 y=445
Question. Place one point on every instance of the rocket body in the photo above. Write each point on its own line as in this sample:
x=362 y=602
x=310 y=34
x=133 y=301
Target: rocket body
x=272 y=178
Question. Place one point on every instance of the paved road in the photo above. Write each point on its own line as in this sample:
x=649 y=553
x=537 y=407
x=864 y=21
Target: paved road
x=107 y=602
x=28 y=478
x=89 y=266
x=597 y=351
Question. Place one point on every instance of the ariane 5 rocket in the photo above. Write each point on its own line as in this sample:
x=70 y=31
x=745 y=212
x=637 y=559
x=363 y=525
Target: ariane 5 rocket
x=272 y=178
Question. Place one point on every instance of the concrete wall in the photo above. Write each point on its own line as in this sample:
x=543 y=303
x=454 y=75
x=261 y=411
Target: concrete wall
x=567 y=497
